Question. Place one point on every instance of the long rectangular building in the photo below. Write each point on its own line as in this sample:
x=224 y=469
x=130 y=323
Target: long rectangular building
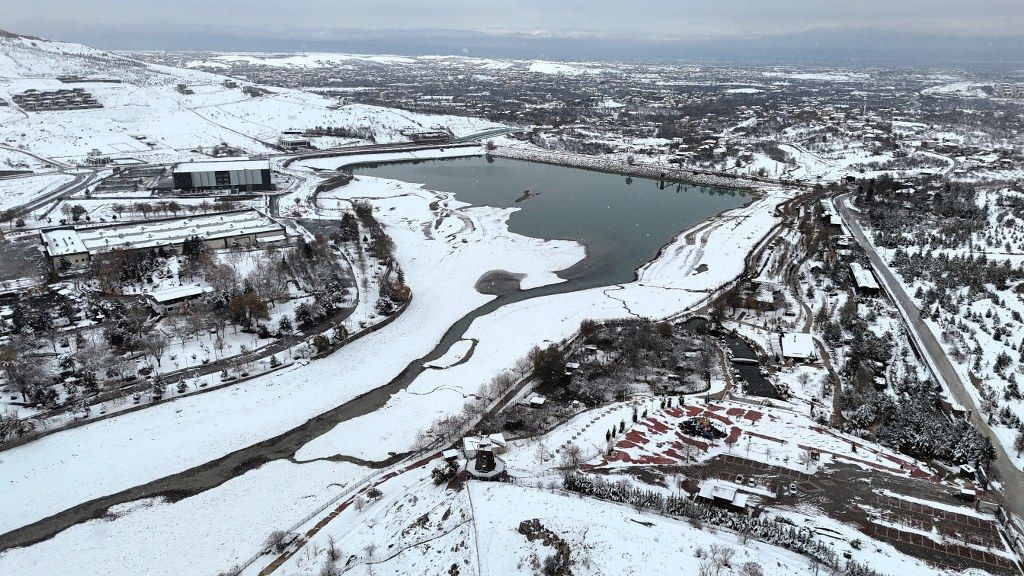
x=75 y=246
x=249 y=175
x=864 y=280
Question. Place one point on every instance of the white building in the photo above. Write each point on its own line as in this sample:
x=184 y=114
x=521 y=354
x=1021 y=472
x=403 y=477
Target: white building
x=76 y=246
x=864 y=280
x=797 y=346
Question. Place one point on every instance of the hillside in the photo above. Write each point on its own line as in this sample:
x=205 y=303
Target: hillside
x=146 y=118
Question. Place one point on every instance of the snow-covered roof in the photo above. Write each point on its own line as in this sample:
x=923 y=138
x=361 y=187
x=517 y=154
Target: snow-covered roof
x=154 y=233
x=862 y=277
x=172 y=293
x=714 y=491
x=219 y=165
x=797 y=345
x=63 y=242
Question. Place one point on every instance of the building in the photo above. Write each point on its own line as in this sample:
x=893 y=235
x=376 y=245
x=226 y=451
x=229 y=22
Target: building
x=233 y=174
x=436 y=135
x=797 y=346
x=481 y=454
x=723 y=496
x=166 y=299
x=72 y=248
x=97 y=158
x=1009 y=90
x=864 y=280
x=291 y=141
x=64 y=99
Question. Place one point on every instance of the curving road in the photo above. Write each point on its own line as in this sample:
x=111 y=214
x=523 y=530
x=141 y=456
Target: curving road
x=939 y=364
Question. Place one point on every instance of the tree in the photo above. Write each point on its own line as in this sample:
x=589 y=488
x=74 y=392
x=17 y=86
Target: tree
x=321 y=343
x=156 y=344
x=285 y=324
x=571 y=455
x=247 y=308
x=275 y=541
x=333 y=554
x=1018 y=442
x=26 y=374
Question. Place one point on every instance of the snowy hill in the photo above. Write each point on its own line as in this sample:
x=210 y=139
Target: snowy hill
x=146 y=118
x=31 y=57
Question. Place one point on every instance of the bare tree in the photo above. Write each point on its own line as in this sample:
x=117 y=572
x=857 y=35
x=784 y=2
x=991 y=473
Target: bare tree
x=572 y=456
x=156 y=344
x=275 y=540
x=333 y=553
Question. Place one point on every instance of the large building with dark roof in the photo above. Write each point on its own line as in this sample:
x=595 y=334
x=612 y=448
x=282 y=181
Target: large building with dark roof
x=248 y=175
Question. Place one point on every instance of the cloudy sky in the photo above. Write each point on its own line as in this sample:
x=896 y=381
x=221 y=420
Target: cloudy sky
x=250 y=24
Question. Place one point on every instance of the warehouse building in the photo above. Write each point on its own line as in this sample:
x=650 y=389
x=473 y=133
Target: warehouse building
x=71 y=248
x=246 y=175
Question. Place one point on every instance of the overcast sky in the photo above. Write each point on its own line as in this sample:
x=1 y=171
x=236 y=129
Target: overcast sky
x=270 y=25
x=75 y=19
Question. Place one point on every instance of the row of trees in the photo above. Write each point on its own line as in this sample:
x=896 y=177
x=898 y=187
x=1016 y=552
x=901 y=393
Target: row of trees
x=780 y=534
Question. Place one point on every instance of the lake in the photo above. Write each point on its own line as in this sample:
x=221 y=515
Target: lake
x=622 y=221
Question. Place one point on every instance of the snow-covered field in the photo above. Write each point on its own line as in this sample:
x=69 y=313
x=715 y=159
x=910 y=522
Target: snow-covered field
x=18 y=190
x=148 y=103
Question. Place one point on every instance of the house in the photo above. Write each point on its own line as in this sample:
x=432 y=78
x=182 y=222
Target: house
x=797 y=346
x=864 y=280
x=723 y=496
x=165 y=299
x=482 y=453
x=294 y=141
x=493 y=442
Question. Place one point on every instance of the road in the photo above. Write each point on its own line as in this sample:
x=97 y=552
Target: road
x=81 y=181
x=42 y=159
x=939 y=363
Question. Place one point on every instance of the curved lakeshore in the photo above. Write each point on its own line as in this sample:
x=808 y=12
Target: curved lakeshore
x=285 y=445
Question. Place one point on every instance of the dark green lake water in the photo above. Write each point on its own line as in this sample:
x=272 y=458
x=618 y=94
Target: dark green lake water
x=622 y=221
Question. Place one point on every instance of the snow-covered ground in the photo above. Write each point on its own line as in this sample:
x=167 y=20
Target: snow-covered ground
x=18 y=190
x=441 y=269
x=148 y=104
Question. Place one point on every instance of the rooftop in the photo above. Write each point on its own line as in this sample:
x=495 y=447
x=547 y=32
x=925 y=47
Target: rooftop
x=797 y=345
x=863 y=277
x=154 y=233
x=219 y=165
x=173 y=293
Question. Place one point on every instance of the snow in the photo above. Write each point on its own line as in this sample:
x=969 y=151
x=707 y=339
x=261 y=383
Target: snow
x=668 y=285
x=202 y=534
x=798 y=345
x=455 y=354
x=960 y=89
x=743 y=91
x=148 y=103
x=441 y=270
x=188 y=167
x=547 y=67
x=18 y=190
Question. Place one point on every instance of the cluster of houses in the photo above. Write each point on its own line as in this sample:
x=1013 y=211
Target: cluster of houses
x=33 y=100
